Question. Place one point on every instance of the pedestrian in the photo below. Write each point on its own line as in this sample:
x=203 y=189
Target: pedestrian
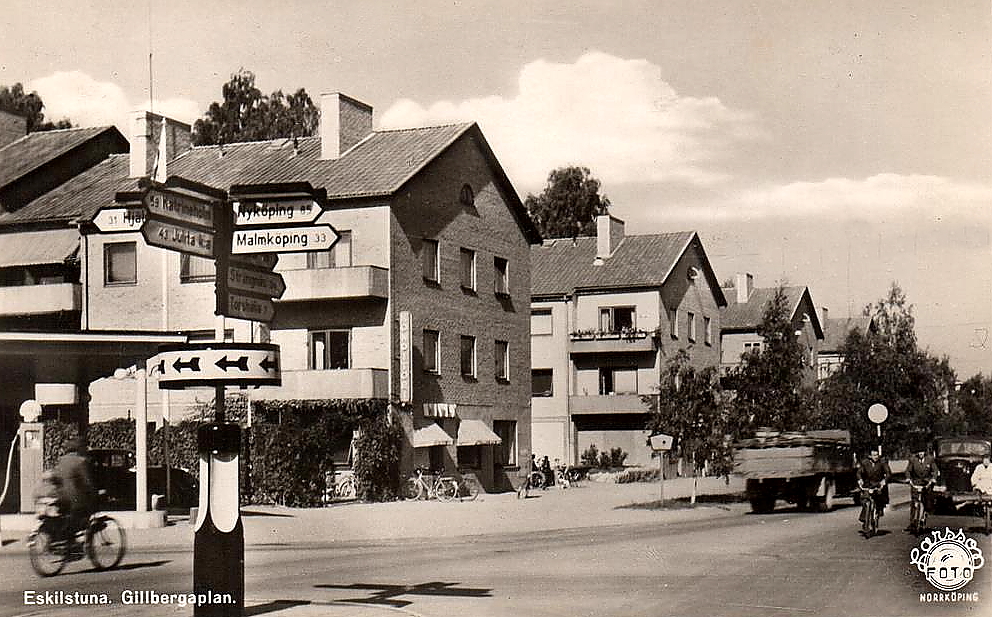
x=549 y=474
x=981 y=478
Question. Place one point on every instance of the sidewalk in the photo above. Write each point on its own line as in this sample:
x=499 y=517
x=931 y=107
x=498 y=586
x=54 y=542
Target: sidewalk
x=592 y=504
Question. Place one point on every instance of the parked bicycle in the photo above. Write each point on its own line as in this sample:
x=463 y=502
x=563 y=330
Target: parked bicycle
x=466 y=489
x=51 y=545
x=534 y=481
x=869 y=512
x=430 y=486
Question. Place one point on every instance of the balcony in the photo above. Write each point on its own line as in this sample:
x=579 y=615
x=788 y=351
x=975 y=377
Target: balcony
x=607 y=404
x=626 y=341
x=340 y=383
x=40 y=299
x=335 y=283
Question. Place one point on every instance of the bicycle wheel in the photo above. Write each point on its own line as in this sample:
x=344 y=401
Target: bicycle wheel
x=987 y=517
x=536 y=479
x=46 y=553
x=868 y=514
x=446 y=489
x=468 y=490
x=413 y=489
x=105 y=542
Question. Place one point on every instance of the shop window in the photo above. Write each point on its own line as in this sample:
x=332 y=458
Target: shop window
x=506 y=452
x=469 y=457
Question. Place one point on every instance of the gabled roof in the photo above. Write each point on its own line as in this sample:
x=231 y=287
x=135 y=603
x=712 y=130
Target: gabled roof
x=562 y=267
x=835 y=331
x=377 y=166
x=24 y=155
x=746 y=316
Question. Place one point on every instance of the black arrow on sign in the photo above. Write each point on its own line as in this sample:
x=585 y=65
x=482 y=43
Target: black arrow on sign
x=268 y=363
x=193 y=364
x=224 y=364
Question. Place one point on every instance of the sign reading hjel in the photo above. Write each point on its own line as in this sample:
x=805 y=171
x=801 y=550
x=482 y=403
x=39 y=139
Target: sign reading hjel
x=213 y=364
x=116 y=219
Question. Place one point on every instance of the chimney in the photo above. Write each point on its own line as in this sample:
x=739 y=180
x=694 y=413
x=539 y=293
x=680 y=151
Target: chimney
x=146 y=135
x=12 y=127
x=344 y=122
x=823 y=316
x=743 y=285
x=609 y=235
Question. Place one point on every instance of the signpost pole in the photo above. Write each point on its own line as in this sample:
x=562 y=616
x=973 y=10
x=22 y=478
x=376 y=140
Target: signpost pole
x=661 y=476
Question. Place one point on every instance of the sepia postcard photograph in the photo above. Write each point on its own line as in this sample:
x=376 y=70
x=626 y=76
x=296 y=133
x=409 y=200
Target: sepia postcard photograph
x=642 y=308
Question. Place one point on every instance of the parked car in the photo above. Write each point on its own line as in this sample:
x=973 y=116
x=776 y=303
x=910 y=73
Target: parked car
x=957 y=458
x=113 y=471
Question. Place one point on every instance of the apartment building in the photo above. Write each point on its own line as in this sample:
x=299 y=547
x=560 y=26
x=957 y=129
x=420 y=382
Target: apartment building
x=422 y=301
x=606 y=313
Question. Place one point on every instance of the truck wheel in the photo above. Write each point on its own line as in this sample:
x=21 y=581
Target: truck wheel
x=826 y=503
x=762 y=501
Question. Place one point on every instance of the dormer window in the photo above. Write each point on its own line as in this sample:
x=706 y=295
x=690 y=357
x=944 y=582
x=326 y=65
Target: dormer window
x=467 y=196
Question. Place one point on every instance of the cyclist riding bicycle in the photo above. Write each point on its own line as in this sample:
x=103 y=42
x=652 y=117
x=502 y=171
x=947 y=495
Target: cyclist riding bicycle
x=922 y=472
x=75 y=486
x=874 y=473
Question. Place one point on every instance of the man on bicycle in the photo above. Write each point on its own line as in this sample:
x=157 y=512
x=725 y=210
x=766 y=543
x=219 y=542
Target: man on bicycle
x=75 y=486
x=873 y=473
x=922 y=472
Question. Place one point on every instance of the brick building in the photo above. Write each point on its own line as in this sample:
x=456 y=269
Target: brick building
x=606 y=313
x=433 y=257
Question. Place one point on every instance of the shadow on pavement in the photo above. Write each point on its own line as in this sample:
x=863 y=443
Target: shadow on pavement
x=137 y=566
x=682 y=503
x=6 y=542
x=388 y=595
x=257 y=513
x=273 y=606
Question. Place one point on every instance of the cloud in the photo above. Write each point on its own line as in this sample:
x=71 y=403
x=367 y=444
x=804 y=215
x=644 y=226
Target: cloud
x=88 y=102
x=616 y=116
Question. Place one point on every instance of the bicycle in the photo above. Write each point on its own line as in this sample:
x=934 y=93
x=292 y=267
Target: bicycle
x=465 y=490
x=345 y=488
x=917 y=509
x=442 y=488
x=534 y=480
x=51 y=544
x=869 y=512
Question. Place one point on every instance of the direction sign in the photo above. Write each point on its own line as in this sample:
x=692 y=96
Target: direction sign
x=178 y=238
x=177 y=207
x=240 y=306
x=283 y=239
x=218 y=364
x=266 y=284
x=281 y=212
x=267 y=261
x=117 y=218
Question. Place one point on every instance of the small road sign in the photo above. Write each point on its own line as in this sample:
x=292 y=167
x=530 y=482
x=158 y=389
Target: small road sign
x=178 y=238
x=266 y=261
x=257 y=282
x=117 y=219
x=218 y=364
x=241 y=306
x=283 y=212
x=283 y=239
x=171 y=206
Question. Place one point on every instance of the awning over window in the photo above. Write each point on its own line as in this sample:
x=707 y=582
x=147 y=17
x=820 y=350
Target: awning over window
x=431 y=435
x=31 y=248
x=476 y=433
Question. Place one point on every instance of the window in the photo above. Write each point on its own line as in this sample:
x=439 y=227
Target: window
x=502 y=360
x=432 y=351
x=468 y=356
x=541 y=382
x=616 y=318
x=467 y=196
x=120 y=263
x=673 y=320
x=506 y=452
x=204 y=336
x=707 y=331
x=752 y=347
x=193 y=269
x=501 y=267
x=691 y=318
x=338 y=256
x=469 y=457
x=330 y=349
x=617 y=380
x=540 y=322
x=468 y=269
x=430 y=253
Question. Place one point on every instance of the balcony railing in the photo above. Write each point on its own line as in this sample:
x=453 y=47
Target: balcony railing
x=336 y=283
x=623 y=341
x=330 y=384
x=608 y=404
x=40 y=299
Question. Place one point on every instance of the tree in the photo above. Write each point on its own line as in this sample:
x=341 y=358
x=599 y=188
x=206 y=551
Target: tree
x=569 y=204
x=14 y=100
x=974 y=399
x=689 y=406
x=886 y=366
x=246 y=114
x=769 y=383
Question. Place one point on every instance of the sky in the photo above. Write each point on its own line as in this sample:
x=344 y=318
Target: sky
x=838 y=145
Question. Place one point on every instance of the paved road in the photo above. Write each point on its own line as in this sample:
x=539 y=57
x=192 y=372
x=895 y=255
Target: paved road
x=786 y=563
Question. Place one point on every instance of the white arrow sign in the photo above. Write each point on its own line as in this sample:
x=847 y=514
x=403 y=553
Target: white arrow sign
x=213 y=364
x=276 y=212
x=110 y=220
x=283 y=239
